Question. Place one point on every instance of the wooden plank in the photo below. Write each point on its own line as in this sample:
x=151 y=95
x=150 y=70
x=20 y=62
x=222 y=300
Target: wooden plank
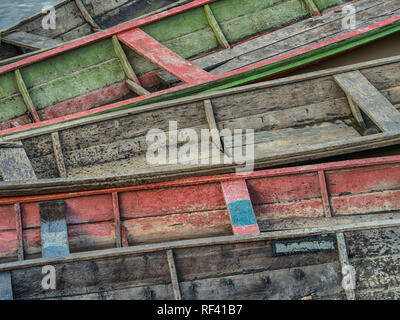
x=284 y=234
x=15 y=164
x=58 y=154
x=212 y=124
x=117 y=219
x=161 y=56
x=30 y=40
x=18 y=226
x=174 y=275
x=215 y=27
x=344 y=261
x=53 y=228
x=370 y=100
x=87 y=16
x=6 y=292
x=240 y=207
x=25 y=95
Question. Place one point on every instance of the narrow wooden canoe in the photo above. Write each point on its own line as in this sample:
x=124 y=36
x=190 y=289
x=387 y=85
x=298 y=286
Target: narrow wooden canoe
x=306 y=117
x=313 y=221
x=75 y=19
x=54 y=86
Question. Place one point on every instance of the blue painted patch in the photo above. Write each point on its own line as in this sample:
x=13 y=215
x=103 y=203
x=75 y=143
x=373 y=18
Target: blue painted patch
x=52 y=251
x=242 y=213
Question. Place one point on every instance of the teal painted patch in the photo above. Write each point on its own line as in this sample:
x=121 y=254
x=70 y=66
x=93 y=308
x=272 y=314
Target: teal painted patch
x=303 y=245
x=242 y=213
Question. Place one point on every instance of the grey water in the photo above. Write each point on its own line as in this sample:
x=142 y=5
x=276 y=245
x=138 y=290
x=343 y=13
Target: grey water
x=11 y=11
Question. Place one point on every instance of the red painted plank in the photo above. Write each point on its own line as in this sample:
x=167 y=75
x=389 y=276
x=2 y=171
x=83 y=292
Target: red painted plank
x=366 y=203
x=282 y=189
x=290 y=210
x=176 y=227
x=364 y=179
x=188 y=85
x=162 y=57
x=184 y=199
x=7 y=217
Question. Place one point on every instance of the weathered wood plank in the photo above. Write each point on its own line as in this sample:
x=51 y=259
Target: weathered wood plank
x=30 y=40
x=370 y=100
x=15 y=164
x=174 y=275
x=312 y=7
x=6 y=292
x=161 y=56
x=345 y=263
x=117 y=219
x=53 y=229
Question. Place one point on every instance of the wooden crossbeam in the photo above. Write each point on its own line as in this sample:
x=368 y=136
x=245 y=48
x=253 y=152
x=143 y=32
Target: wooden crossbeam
x=240 y=208
x=86 y=15
x=58 y=154
x=174 y=275
x=25 y=96
x=30 y=40
x=53 y=228
x=161 y=56
x=340 y=238
x=6 y=292
x=18 y=227
x=15 y=164
x=355 y=110
x=370 y=100
x=215 y=27
x=212 y=124
x=117 y=220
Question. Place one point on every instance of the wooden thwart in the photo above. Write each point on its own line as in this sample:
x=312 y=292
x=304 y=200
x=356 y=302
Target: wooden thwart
x=161 y=56
x=174 y=275
x=370 y=100
x=212 y=124
x=31 y=41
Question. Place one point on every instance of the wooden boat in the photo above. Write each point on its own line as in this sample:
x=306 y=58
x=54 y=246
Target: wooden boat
x=302 y=226
x=75 y=19
x=300 y=118
x=120 y=67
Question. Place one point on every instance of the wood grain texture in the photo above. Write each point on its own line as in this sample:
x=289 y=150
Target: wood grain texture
x=6 y=292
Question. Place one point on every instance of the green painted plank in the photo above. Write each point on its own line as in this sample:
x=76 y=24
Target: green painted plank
x=324 y=4
x=178 y=25
x=12 y=107
x=67 y=63
x=77 y=84
x=263 y=20
x=8 y=85
x=228 y=9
